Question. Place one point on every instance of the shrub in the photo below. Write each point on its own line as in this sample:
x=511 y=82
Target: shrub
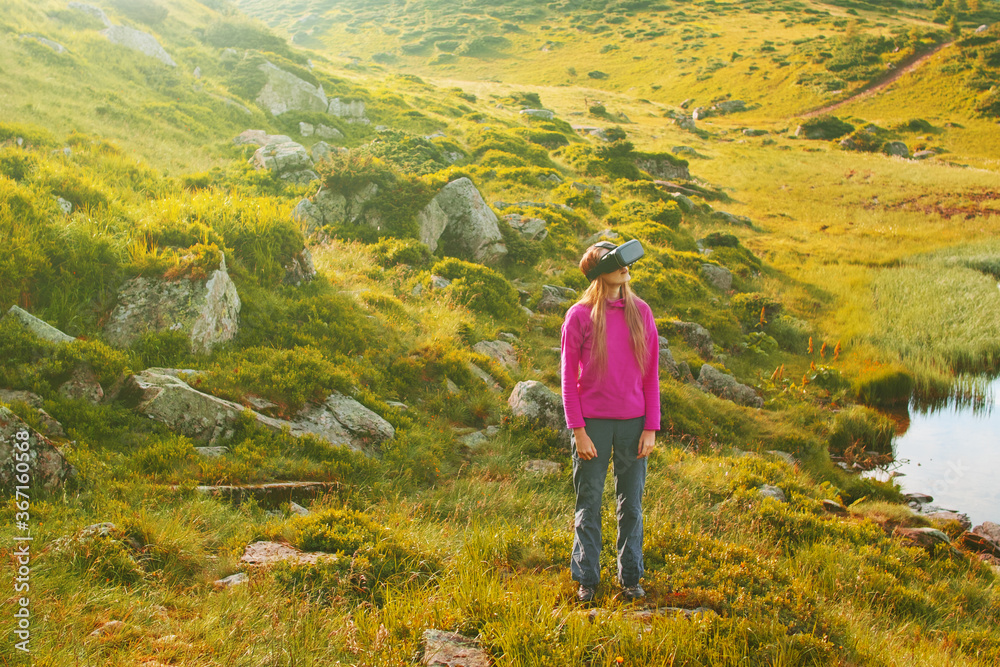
x=825 y=127
x=479 y=287
x=663 y=213
x=863 y=429
x=390 y=252
x=721 y=240
x=16 y=163
x=411 y=153
x=748 y=307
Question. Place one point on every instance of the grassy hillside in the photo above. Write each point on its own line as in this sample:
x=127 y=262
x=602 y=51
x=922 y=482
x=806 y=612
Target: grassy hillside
x=857 y=278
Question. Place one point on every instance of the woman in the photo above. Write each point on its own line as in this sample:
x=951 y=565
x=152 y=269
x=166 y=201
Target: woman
x=611 y=396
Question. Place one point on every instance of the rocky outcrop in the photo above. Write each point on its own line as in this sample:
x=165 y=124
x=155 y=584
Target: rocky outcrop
x=459 y=220
x=500 y=350
x=717 y=276
x=555 y=298
x=283 y=91
x=329 y=208
x=353 y=111
x=138 y=40
x=531 y=229
x=697 y=336
x=662 y=168
x=82 y=385
x=287 y=160
x=96 y=12
x=341 y=420
x=536 y=402
x=726 y=386
x=36 y=326
x=28 y=458
x=207 y=311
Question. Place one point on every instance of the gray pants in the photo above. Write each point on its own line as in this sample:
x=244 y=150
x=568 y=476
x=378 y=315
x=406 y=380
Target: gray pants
x=619 y=437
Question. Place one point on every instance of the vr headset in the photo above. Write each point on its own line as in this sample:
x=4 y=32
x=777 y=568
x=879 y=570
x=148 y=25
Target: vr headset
x=620 y=256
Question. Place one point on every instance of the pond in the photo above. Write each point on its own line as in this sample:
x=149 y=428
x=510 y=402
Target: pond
x=952 y=452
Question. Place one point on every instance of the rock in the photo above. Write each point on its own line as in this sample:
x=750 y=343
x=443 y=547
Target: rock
x=196 y=73
x=300 y=269
x=897 y=149
x=211 y=452
x=667 y=362
x=731 y=219
x=754 y=133
x=487 y=379
x=109 y=628
x=731 y=106
x=542 y=467
x=402 y=406
x=138 y=40
x=500 y=350
x=533 y=400
x=65 y=206
x=327 y=132
x=603 y=235
x=979 y=544
x=684 y=374
x=439 y=282
x=96 y=12
x=697 y=336
x=351 y=110
x=946 y=517
x=306 y=129
x=834 y=507
x=982 y=28
x=555 y=298
x=926 y=538
x=328 y=207
x=687 y=123
x=46 y=466
x=989 y=530
x=449 y=649
x=207 y=311
x=718 y=277
x=342 y=420
x=283 y=91
x=473 y=440
x=298 y=510
x=544 y=114
x=685 y=203
x=532 y=229
x=36 y=326
x=452 y=388
x=287 y=160
x=585 y=188
x=30 y=399
x=784 y=456
x=50 y=428
x=460 y=220
x=700 y=113
x=917 y=499
x=232 y=580
x=44 y=41
x=923 y=155
x=262 y=554
x=662 y=168
x=725 y=386
x=769 y=491
x=321 y=151
x=82 y=385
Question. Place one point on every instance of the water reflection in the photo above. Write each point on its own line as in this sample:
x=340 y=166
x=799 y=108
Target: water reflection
x=951 y=450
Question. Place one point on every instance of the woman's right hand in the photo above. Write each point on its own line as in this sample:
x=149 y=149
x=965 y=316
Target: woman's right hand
x=584 y=445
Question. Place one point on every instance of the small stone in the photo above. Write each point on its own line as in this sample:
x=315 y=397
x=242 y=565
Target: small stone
x=769 y=491
x=784 y=456
x=452 y=387
x=438 y=282
x=298 y=510
x=397 y=405
x=834 y=507
x=212 y=452
x=926 y=538
x=108 y=628
x=542 y=467
x=473 y=440
x=231 y=580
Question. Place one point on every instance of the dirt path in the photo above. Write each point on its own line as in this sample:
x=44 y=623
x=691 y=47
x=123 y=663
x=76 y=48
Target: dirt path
x=878 y=84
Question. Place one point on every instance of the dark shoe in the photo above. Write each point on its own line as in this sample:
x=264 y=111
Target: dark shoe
x=585 y=594
x=633 y=592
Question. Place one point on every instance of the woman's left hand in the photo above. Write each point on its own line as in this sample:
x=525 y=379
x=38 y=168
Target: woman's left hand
x=646 y=443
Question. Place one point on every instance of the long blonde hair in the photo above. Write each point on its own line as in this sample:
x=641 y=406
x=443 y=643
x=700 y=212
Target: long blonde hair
x=596 y=298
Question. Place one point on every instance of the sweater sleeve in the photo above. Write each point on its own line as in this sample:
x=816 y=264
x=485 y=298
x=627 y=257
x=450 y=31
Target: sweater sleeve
x=572 y=351
x=651 y=380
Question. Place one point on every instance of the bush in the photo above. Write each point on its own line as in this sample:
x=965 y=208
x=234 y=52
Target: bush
x=480 y=288
x=663 y=213
x=825 y=127
x=390 y=252
x=748 y=307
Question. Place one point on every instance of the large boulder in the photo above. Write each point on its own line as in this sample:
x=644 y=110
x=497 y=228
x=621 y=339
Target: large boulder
x=341 y=420
x=36 y=326
x=138 y=40
x=500 y=350
x=717 y=276
x=534 y=401
x=283 y=91
x=44 y=467
x=555 y=298
x=450 y=649
x=459 y=220
x=662 y=168
x=287 y=160
x=207 y=311
x=726 y=386
x=353 y=111
x=328 y=208
x=896 y=148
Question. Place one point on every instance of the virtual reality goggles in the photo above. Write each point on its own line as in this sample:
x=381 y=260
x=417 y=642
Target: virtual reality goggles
x=620 y=256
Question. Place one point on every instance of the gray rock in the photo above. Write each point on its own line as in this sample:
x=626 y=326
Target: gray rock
x=452 y=388
x=542 y=467
x=36 y=326
x=927 y=538
x=397 y=405
x=697 y=337
x=300 y=269
x=50 y=427
x=82 y=385
x=923 y=155
x=439 y=282
x=474 y=440
x=532 y=229
x=603 y=235
x=533 y=400
x=460 y=220
x=982 y=28
x=663 y=169
x=211 y=452
x=327 y=132
x=353 y=111
x=731 y=219
x=586 y=187
x=688 y=123
x=44 y=41
x=207 y=311
x=718 y=277
x=959 y=517
x=834 y=507
x=138 y=40
x=283 y=91
x=486 y=378
x=282 y=159
x=449 y=649
x=555 y=298
x=768 y=491
x=328 y=208
x=96 y=12
x=500 y=350
x=731 y=106
x=298 y=510
x=342 y=420
x=64 y=205
x=684 y=374
x=726 y=386
x=196 y=73
x=667 y=362
x=784 y=456
x=46 y=466
x=685 y=203
x=29 y=398
x=306 y=129
x=232 y=580
x=989 y=530
x=918 y=499
x=544 y=114
x=897 y=149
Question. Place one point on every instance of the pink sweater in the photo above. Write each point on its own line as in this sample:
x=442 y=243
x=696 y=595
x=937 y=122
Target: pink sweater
x=622 y=393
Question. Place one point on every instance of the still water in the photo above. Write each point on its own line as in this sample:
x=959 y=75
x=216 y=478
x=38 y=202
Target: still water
x=952 y=452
